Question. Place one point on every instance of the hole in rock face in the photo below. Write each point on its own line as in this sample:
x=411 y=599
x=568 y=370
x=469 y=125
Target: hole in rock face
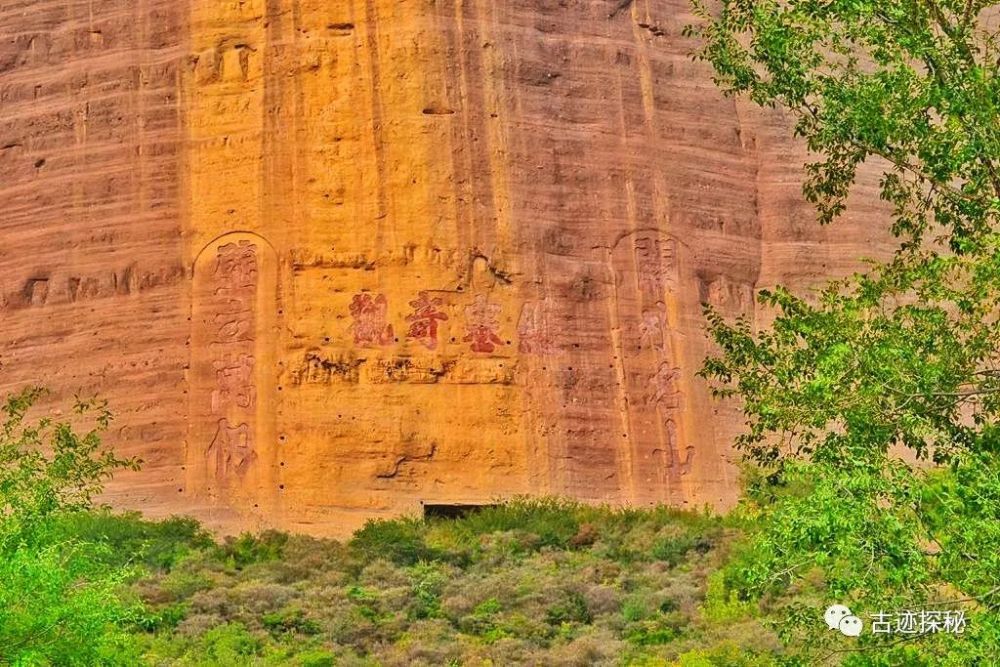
x=453 y=511
x=436 y=109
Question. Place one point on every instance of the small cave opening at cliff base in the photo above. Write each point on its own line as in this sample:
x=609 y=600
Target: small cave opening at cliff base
x=451 y=510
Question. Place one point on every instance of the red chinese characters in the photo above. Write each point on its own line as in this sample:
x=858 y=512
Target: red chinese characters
x=231 y=450
x=424 y=320
x=481 y=325
x=370 y=327
x=234 y=383
x=236 y=287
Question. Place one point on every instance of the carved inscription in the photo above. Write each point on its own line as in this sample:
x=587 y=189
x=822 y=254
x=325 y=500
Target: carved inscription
x=656 y=263
x=234 y=396
x=231 y=451
x=533 y=330
x=663 y=388
x=231 y=443
x=481 y=325
x=664 y=391
x=651 y=329
x=673 y=461
x=424 y=320
x=318 y=369
x=646 y=269
x=234 y=383
x=36 y=291
x=236 y=266
x=61 y=287
x=727 y=295
x=370 y=314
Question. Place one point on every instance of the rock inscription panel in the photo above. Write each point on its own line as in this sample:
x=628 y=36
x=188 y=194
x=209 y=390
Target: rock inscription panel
x=646 y=270
x=230 y=443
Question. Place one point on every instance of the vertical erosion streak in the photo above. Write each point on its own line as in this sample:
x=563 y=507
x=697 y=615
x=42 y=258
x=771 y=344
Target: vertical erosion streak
x=372 y=35
x=644 y=311
x=280 y=218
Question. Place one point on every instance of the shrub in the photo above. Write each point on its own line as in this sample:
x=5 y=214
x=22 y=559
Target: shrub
x=366 y=602
x=400 y=541
x=183 y=583
x=158 y=545
x=240 y=552
x=315 y=658
x=723 y=604
x=167 y=617
x=483 y=620
x=726 y=654
x=59 y=596
x=571 y=609
x=427 y=584
x=291 y=620
x=659 y=628
x=59 y=606
x=47 y=468
x=554 y=521
x=229 y=644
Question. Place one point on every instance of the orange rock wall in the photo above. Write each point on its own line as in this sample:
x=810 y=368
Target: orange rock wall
x=332 y=260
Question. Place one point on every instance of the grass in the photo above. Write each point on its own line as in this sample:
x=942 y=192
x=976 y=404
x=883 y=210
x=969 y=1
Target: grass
x=528 y=583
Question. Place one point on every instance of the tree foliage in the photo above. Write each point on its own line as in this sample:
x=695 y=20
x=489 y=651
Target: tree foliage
x=59 y=600
x=872 y=405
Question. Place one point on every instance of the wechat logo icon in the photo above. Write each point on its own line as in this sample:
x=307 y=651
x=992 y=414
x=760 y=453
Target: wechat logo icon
x=839 y=617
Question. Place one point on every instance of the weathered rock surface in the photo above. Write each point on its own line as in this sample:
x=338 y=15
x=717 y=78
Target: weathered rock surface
x=332 y=260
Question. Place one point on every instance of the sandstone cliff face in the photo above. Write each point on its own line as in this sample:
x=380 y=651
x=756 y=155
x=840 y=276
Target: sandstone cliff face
x=332 y=260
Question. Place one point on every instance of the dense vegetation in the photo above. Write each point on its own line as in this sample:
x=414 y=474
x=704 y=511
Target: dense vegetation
x=545 y=583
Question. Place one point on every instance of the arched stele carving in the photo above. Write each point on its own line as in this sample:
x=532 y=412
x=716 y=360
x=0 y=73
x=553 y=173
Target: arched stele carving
x=646 y=267
x=231 y=445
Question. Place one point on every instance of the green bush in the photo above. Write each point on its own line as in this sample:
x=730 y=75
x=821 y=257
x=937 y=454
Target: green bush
x=400 y=541
x=158 y=545
x=60 y=606
x=366 y=603
x=167 y=617
x=315 y=658
x=60 y=595
x=529 y=583
x=555 y=522
x=240 y=552
x=483 y=620
x=290 y=620
x=572 y=608
x=230 y=644
x=722 y=603
x=427 y=583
